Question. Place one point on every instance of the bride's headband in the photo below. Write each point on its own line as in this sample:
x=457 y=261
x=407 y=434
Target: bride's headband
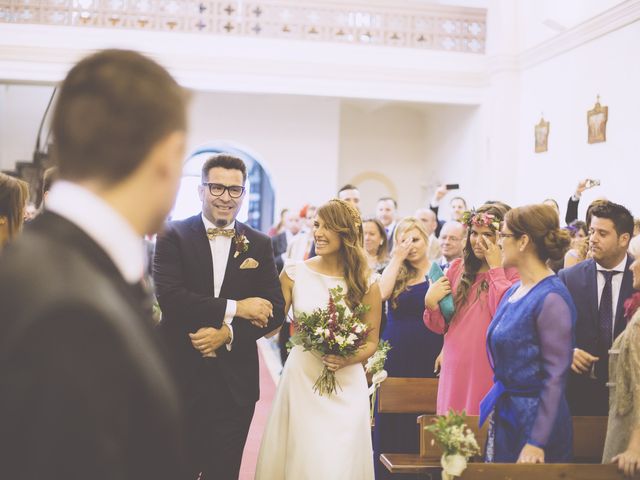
x=353 y=211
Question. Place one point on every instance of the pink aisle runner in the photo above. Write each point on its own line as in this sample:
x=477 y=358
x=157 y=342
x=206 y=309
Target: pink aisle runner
x=263 y=407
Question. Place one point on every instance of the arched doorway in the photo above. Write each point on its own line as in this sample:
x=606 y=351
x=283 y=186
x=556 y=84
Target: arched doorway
x=257 y=208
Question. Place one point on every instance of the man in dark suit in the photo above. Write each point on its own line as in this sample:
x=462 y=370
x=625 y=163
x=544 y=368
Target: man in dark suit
x=599 y=286
x=84 y=389
x=291 y=223
x=219 y=292
x=386 y=212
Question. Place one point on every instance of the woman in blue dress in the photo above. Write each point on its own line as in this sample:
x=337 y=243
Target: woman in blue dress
x=414 y=348
x=530 y=343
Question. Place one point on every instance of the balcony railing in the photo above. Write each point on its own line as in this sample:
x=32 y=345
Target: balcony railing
x=396 y=23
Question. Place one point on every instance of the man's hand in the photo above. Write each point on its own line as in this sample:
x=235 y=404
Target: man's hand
x=207 y=340
x=256 y=310
x=582 y=361
x=439 y=194
x=582 y=186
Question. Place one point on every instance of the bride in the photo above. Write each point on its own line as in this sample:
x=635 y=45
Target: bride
x=309 y=436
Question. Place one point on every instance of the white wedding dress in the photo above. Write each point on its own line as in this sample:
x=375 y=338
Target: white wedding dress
x=309 y=436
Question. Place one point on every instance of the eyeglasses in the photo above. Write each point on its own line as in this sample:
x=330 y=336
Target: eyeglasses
x=217 y=189
x=506 y=235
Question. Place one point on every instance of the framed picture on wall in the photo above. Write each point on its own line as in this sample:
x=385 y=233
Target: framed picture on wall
x=597 y=123
x=542 y=136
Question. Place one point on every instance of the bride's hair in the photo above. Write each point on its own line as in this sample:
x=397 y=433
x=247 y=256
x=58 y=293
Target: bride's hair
x=343 y=218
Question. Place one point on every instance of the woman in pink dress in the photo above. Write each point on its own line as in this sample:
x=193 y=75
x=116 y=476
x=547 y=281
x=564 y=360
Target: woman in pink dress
x=477 y=282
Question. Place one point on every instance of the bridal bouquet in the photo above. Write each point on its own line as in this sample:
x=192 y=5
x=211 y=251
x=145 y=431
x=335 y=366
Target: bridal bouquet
x=457 y=442
x=333 y=330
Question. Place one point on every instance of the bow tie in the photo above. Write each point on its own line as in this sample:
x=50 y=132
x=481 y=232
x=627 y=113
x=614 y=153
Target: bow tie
x=216 y=232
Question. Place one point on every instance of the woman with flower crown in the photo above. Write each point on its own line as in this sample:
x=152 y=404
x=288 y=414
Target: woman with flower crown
x=477 y=282
x=308 y=435
x=622 y=445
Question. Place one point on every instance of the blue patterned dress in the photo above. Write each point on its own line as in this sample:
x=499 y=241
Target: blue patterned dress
x=530 y=343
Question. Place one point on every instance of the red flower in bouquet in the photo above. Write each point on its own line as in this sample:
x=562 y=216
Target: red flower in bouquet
x=333 y=330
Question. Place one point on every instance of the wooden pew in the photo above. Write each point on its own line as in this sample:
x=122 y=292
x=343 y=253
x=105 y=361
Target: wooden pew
x=408 y=395
x=589 y=435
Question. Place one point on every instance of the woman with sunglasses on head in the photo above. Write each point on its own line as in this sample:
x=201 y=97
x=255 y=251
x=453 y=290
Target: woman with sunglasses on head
x=477 y=282
x=530 y=342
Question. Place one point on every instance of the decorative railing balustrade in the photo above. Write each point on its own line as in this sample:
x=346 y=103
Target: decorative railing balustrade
x=395 y=23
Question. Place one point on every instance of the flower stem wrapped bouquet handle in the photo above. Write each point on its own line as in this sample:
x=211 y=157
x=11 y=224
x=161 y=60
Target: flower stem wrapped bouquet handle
x=332 y=330
x=457 y=441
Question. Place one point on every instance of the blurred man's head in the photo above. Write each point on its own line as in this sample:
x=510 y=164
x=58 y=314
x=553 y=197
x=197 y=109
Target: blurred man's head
x=452 y=240
x=458 y=207
x=292 y=222
x=428 y=219
x=119 y=130
x=350 y=193
x=386 y=210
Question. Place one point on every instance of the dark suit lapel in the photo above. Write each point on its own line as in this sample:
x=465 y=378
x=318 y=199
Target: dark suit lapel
x=233 y=262
x=591 y=288
x=202 y=249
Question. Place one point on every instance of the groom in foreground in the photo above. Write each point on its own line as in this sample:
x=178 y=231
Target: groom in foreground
x=219 y=292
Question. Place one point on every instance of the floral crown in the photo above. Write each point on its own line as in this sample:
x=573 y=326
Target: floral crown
x=472 y=218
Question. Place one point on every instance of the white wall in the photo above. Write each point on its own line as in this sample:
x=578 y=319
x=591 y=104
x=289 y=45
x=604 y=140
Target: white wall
x=382 y=151
x=296 y=138
x=21 y=110
x=565 y=88
x=406 y=150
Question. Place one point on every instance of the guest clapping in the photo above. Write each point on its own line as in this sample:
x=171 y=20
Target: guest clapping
x=530 y=342
x=477 y=282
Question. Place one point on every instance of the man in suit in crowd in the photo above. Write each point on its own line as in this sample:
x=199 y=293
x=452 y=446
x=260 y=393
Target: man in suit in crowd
x=453 y=237
x=599 y=286
x=280 y=242
x=218 y=289
x=430 y=222
x=458 y=206
x=350 y=193
x=386 y=211
x=84 y=389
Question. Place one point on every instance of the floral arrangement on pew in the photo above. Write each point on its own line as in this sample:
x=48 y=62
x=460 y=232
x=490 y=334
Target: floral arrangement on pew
x=375 y=368
x=333 y=330
x=457 y=442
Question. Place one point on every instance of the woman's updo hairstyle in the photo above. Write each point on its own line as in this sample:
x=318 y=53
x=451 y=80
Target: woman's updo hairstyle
x=541 y=224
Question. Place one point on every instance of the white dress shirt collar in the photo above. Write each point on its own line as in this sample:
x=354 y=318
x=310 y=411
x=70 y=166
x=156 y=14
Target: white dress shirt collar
x=209 y=224
x=618 y=268
x=102 y=224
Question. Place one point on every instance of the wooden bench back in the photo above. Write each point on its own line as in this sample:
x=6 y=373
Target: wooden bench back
x=588 y=437
x=408 y=395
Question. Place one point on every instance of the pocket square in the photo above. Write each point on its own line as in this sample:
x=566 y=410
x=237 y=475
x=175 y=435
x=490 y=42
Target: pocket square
x=249 y=263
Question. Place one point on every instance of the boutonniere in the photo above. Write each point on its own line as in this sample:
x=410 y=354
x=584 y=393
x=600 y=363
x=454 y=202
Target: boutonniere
x=241 y=243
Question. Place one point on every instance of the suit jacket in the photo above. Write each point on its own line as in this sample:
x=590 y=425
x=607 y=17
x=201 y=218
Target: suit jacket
x=581 y=280
x=279 y=244
x=440 y=222
x=183 y=274
x=84 y=389
x=572 y=210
